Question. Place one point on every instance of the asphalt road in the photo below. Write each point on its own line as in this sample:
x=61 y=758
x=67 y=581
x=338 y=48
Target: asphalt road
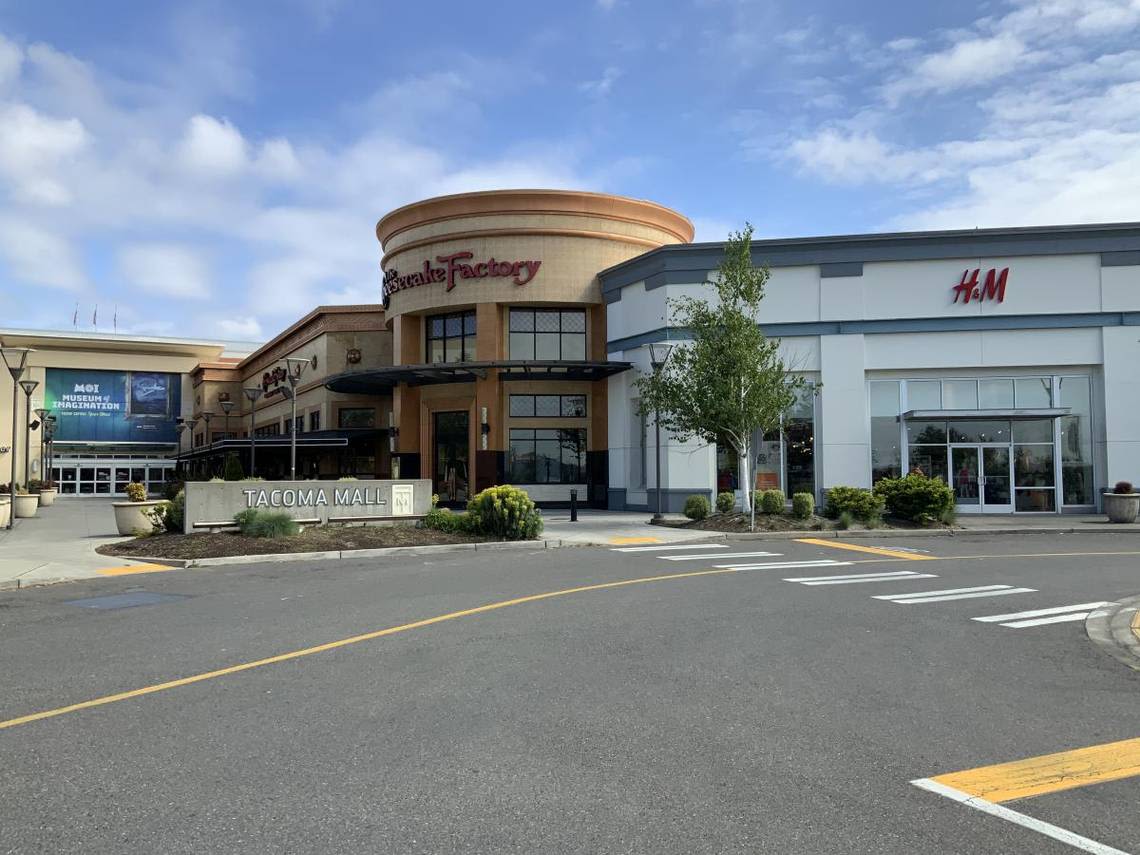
x=716 y=712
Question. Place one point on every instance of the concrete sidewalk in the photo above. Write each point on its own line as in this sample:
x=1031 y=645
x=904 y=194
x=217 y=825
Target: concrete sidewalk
x=59 y=543
x=615 y=528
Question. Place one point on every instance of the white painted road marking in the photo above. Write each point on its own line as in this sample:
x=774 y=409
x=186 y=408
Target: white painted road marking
x=784 y=565
x=664 y=547
x=718 y=556
x=1033 y=824
x=861 y=577
x=954 y=594
x=1041 y=617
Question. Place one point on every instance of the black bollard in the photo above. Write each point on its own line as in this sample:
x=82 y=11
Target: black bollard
x=573 y=506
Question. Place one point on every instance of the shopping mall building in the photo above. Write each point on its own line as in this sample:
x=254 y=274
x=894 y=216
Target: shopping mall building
x=514 y=324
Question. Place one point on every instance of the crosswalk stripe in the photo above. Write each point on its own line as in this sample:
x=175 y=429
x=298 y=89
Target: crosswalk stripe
x=782 y=565
x=665 y=547
x=1022 y=624
x=972 y=596
x=1034 y=613
x=945 y=591
x=718 y=556
x=859 y=577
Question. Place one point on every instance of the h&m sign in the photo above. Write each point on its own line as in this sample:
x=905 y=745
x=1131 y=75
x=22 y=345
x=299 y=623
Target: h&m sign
x=992 y=288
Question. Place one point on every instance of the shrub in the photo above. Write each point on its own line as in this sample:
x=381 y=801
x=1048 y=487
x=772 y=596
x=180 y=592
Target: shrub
x=772 y=501
x=948 y=516
x=171 y=489
x=258 y=523
x=170 y=515
x=505 y=512
x=803 y=505
x=696 y=507
x=859 y=503
x=1122 y=487
x=725 y=501
x=35 y=485
x=136 y=492
x=441 y=519
x=915 y=497
x=216 y=480
x=844 y=520
x=232 y=471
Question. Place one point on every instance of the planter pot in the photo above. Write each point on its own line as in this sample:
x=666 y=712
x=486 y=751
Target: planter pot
x=132 y=517
x=5 y=512
x=1122 y=507
x=25 y=506
x=47 y=497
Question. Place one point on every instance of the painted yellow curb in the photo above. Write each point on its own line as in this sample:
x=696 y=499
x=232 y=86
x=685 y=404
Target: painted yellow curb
x=874 y=550
x=625 y=541
x=131 y=569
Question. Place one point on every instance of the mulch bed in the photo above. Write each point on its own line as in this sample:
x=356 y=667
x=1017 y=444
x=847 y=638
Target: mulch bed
x=314 y=539
x=740 y=522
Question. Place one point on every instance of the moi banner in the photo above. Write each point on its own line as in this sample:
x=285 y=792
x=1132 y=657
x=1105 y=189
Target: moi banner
x=113 y=406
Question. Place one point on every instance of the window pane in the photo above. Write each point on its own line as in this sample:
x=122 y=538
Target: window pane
x=435 y=328
x=573 y=449
x=1034 y=391
x=522 y=320
x=1076 y=442
x=1034 y=430
x=995 y=394
x=546 y=320
x=548 y=465
x=573 y=346
x=960 y=394
x=522 y=406
x=355 y=417
x=884 y=398
x=469 y=348
x=453 y=325
x=546 y=406
x=574 y=406
x=573 y=322
x=452 y=349
x=979 y=431
x=924 y=394
x=546 y=346
x=469 y=323
x=522 y=345
x=931 y=459
x=1033 y=466
x=435 y=350
x=546 y=433
x=928 y=432
x=799 y=456
x=1035 y=500
x=521 y=459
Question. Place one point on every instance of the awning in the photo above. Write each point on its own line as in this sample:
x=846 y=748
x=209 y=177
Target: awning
x=1021 y=413
x=380 y=380
x=322 y=439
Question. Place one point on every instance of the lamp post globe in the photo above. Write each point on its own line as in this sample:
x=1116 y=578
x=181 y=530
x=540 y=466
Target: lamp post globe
x=252 y=394
x=659 y=352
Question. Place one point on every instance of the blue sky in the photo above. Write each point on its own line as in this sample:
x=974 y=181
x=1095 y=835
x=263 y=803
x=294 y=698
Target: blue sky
x=216 y=169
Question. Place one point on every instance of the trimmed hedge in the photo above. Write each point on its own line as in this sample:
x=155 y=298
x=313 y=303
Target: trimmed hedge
x=441 y=519
x=915 y=497
x=859 y=503
x=725 y=501
x=696 y=507
x=803 y=505
x=771 y=501
x=505 y=512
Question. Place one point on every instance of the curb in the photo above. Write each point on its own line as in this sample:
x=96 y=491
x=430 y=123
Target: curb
x=1116 y=631
x=876 y=533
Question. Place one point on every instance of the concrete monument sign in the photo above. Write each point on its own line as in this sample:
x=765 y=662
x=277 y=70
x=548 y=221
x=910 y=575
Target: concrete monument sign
x=213 y=504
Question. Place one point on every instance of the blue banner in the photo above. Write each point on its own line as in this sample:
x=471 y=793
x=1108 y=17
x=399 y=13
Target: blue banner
x=113 y=406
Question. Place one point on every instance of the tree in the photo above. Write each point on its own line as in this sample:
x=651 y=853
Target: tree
x=730 y=382
x=232 y=471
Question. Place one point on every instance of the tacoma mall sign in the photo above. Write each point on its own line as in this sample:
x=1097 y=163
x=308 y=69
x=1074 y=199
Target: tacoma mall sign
x=213 y=504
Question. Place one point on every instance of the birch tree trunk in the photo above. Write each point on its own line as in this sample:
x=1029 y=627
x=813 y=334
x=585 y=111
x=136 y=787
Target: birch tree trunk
x=744 y=467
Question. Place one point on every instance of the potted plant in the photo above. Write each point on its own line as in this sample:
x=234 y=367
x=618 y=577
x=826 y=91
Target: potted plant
x=24 y=504
x=134 y=515
x=46 y=491
x=1122 y=504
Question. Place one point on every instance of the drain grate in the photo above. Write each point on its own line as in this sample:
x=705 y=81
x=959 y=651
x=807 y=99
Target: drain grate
x=125 y=601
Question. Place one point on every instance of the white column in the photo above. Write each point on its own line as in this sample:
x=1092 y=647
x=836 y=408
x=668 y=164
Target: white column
x=1121 y=404
x=845 y=444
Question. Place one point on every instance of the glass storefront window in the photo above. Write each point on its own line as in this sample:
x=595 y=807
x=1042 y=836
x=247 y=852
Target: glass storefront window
x=1034 y=392
x=794 y=445
x=995 y=394
x=550 y=456
x=924 y=394
x=960 y=394
x=550 y=334
x=1033 y=466
x=1076 y=442
x=979 y=431
x=925 y=432
x=356 y=417
x=931 y=459
x=1035 y=500
x=1033 y=430
x=450 y=338
x=886 y=454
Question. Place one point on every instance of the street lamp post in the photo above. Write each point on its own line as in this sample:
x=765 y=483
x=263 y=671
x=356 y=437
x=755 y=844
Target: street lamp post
x=44 y=428
x=227 y=408
x=190 y=425
x=49 y=422
x=252 y=394
x=16 y=360
x=295 y=367
x=658 y=356
x=28 y=386
x=206 y=439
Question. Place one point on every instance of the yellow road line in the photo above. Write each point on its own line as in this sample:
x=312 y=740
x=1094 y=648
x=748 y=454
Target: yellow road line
x=623 y=541
x=1049 y=773
x=835 y=544
x=344 y=642
x=130 y=569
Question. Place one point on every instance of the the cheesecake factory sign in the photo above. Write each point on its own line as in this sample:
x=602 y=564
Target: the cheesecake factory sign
x=450 y=269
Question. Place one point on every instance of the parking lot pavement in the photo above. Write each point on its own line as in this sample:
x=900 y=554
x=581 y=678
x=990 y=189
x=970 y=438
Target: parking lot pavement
x=685 y=697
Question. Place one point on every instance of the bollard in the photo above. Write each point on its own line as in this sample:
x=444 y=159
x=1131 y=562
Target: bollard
x=573 y=506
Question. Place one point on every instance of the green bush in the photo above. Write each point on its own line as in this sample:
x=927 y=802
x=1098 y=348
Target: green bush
x=771 y=501
x=915 y=497
x=258 y=523
x=504 y=512
x=136 y=492
x=844 y=520
x=171 y=489
x=725 y=501
x=232 y=471
x=696 y=507
x=170 y=515
x=803 y=505
x=861 y=504
x=441 y=519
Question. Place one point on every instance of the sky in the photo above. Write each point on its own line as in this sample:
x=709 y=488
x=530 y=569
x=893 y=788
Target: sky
x=216 y=169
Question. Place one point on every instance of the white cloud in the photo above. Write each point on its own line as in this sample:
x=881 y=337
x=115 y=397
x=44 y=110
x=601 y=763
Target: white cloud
x=602 y=86
x=165 y=269
x=11 y=58
x=38 y=256
x=32 y=147
x=971 y=62
x=240 y=329
x=212 y=148
x=606 y=5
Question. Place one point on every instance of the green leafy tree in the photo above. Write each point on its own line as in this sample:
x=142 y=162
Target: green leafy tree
x=232 y=471
x=730 y=382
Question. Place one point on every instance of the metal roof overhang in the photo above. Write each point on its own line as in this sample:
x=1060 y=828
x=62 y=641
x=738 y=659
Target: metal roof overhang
x=1011 y=413
x=316 y=439
x=380 y=380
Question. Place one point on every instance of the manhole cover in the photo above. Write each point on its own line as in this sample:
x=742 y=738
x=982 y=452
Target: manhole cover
x=125 y=601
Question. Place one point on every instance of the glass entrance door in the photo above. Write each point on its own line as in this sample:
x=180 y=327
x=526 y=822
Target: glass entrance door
x=450 y=456
x=981 y=478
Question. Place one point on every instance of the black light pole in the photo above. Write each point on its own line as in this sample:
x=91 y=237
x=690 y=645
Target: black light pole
x=28 y=386
x=16 y=359
x=49 y=423
x=44 y=428
x=252 y=394
x=190 y=425
x=227 y=408
x=295 y=367
x=658 y=356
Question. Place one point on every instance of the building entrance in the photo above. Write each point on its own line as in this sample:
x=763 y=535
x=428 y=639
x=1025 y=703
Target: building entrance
x=450 y=456
x=981 y=476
